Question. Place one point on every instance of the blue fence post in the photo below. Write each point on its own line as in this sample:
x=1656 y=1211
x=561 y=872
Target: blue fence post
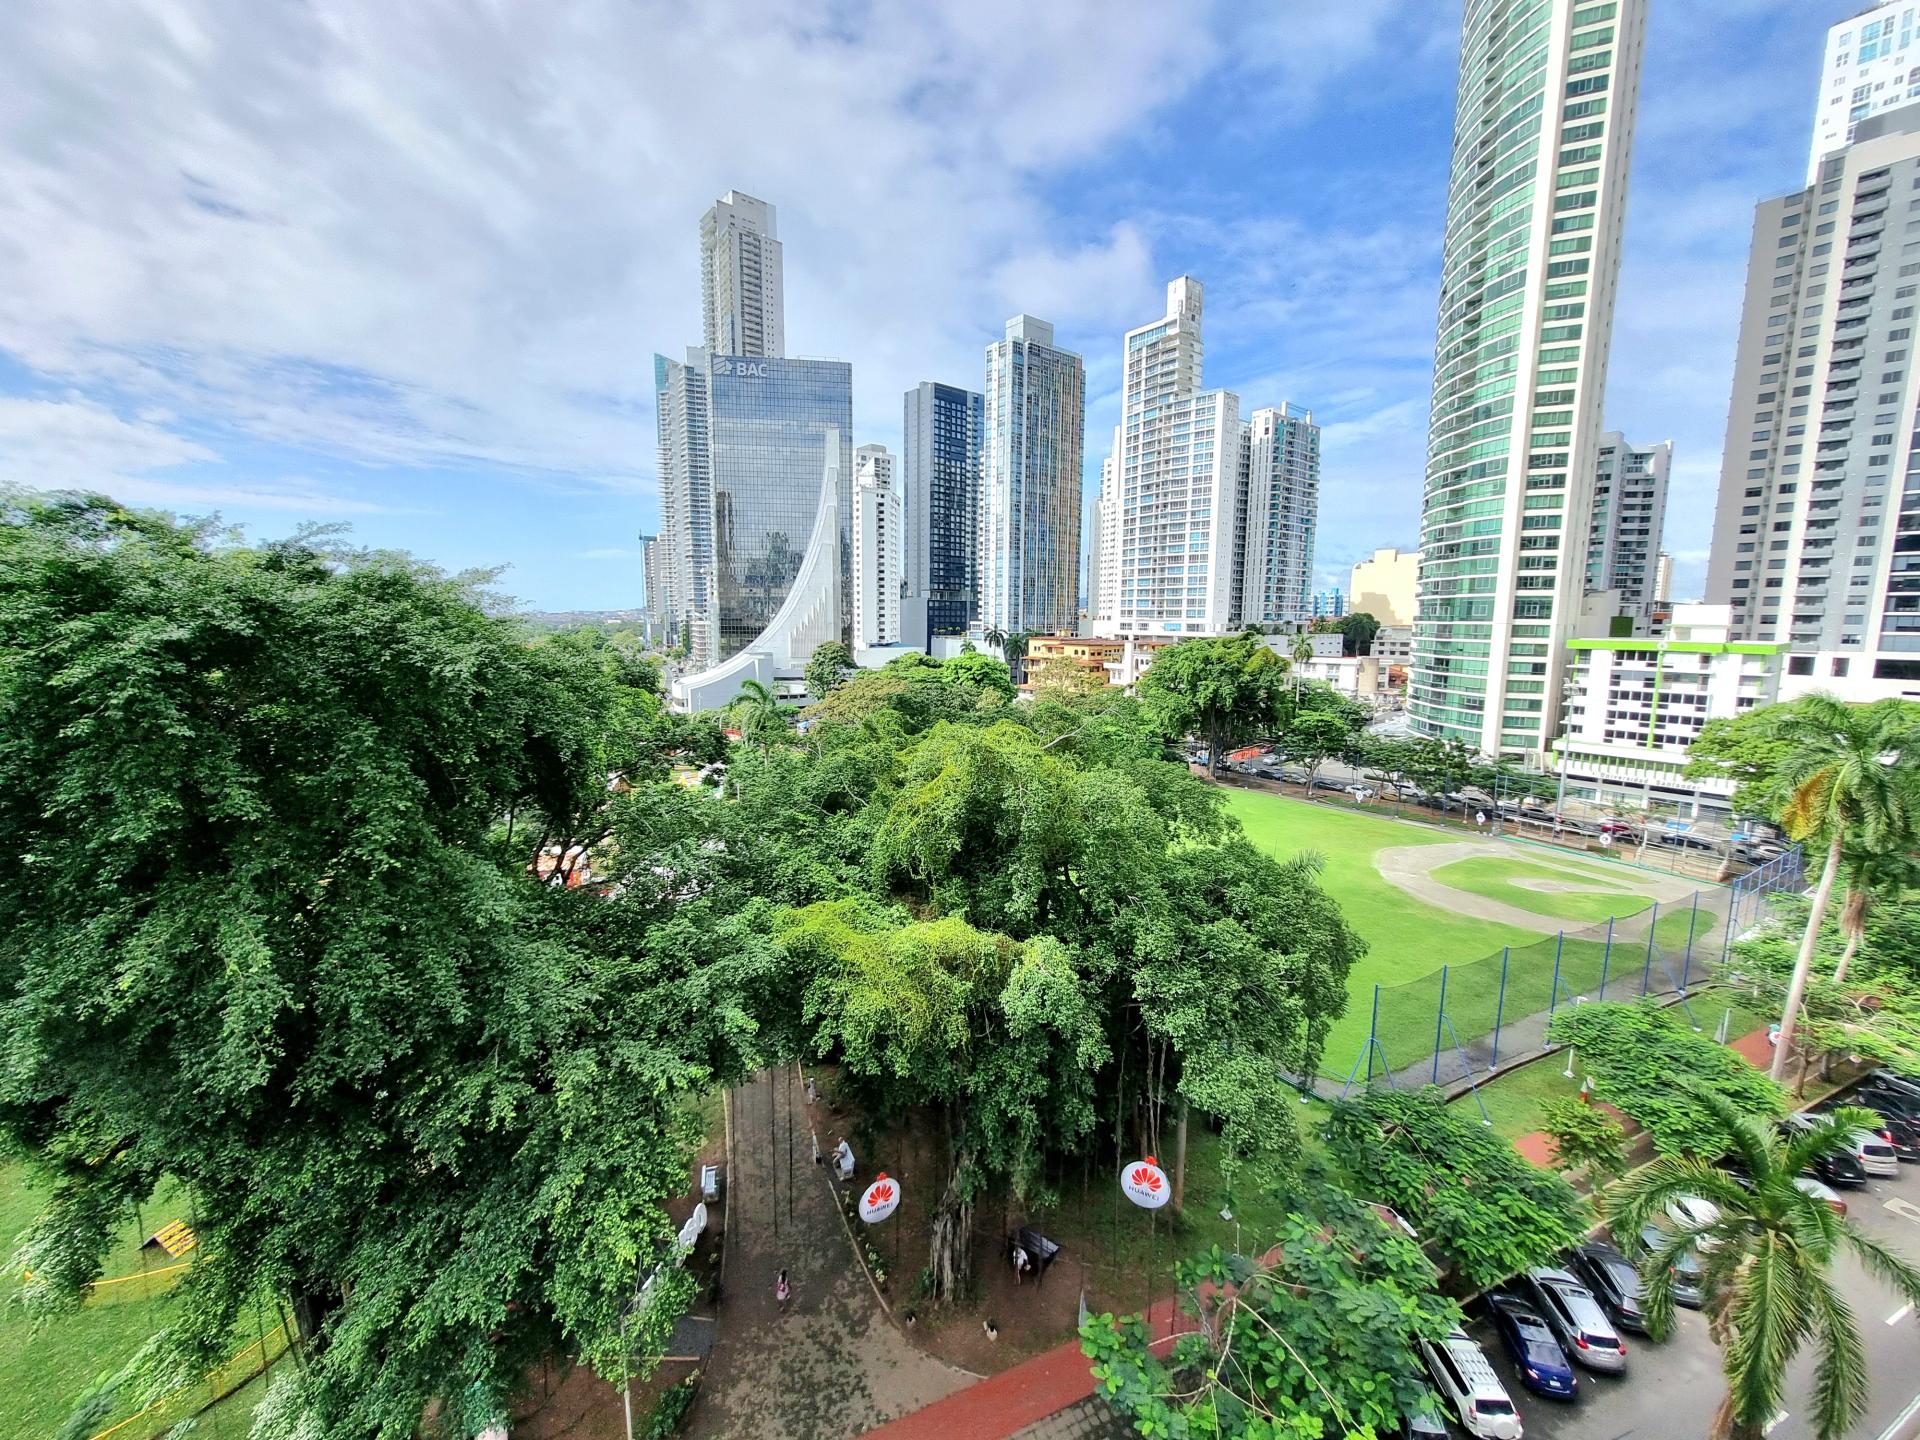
x=1606 y=959
x=1646 y=971
x=1500 y=1009
x=1373 y=1032
x=1559 y=944
x=1439 y=1019
x=1686 y=964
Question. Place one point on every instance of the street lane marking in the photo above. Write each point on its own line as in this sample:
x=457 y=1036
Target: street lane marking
x=1900 y=1422
x=1897 y=1316
x=1906 y=1210
x=1775 y=1423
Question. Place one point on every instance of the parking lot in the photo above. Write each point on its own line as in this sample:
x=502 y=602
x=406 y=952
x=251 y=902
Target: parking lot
x=1671 y=1389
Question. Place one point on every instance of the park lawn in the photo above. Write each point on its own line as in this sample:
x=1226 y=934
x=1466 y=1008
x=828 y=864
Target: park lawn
x=45 y=1366
x=1406 y=939
x=1495 y=877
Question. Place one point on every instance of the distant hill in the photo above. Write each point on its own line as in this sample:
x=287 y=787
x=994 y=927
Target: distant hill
x=565 y=619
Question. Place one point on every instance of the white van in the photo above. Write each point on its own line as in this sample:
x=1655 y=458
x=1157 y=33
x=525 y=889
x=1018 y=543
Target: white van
x=1460 y=1369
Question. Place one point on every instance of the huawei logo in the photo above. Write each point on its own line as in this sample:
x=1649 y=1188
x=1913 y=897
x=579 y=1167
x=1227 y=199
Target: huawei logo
x=881 y=1194
x=1146 y=1178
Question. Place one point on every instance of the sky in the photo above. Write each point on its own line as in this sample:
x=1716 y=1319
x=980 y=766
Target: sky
x=405 y=267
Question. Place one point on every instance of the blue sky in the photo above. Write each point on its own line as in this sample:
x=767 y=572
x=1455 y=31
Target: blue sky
x=405 y=267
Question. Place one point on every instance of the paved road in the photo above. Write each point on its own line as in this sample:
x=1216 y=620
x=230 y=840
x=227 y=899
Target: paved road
x=1670 y=1390
x=832 y=1366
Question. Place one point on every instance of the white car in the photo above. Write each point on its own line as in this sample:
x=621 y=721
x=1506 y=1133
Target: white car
x=1821 y=1191
x=1468 y=1384
x=1873 y=1150
x=1689 y=1211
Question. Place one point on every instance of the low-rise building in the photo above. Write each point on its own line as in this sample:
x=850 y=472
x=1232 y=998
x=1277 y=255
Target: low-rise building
x=1635 y=704
x=1118 y=659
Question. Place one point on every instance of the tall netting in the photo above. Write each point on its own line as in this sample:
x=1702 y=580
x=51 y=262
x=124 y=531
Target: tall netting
x=1463 y=1021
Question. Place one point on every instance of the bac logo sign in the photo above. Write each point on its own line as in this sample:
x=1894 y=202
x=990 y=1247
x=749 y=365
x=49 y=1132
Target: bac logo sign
x=740 y=367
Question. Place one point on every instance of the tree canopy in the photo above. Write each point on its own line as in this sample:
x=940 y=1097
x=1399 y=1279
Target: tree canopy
x=259 y=932
x=1223 y=690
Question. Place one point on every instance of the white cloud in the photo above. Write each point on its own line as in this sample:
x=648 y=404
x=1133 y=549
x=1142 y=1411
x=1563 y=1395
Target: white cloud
x=55 y=444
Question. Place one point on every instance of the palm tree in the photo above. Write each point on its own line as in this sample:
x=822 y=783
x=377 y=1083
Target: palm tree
x=1871 y=875
x=1849 y=775
x=1302 y=652
x=758 y=711
x=1767 y=1262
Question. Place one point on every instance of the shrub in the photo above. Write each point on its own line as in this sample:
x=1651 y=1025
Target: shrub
x=1584 y=1137
x=1639 y=1057
x=670 y=1410
x=1464 y=1188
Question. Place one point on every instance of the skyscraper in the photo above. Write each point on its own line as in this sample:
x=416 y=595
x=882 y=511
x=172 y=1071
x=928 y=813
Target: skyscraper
x=1816 y=540
x=1536 y=202
x=879 y=533
x=940 y=479
x=1872 y=64
x=1282 y=515
x=1029 y=538
x=756 y=474
x=1629 y=512
x=740 y=286
x=1168 y=556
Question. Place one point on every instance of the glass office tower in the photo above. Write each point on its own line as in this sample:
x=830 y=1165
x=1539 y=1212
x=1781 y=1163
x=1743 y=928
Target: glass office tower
x=771 y=423
x=1535 y=207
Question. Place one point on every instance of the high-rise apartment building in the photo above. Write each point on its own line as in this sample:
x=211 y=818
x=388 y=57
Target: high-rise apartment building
x=879 y=536
x=1535 y=206
x=1816 y=539
x=1168 y=560
x=940 y=478
x=1383 y=585
x=1872 y=64
x=1205 y=519
x=1629 y=512
x=1029 y=533
x=1281 y=514
x=685 y=545
x=740 y=286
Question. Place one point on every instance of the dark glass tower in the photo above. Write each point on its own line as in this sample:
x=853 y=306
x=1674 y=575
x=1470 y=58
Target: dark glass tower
x=941 y=474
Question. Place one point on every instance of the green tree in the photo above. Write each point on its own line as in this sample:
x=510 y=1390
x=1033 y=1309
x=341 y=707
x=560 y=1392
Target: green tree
x=827 y=667
x=1768 y=1268
x=759 y=714
x=1873 y=876
x=258 y=933
x=999 y=1037
x=1302 y=652
x=1357 y=631
x=1314 y=1338
x=981 y=673
x=1223 y=690
x=1585 y=1138
x=1469 y=1193
x=1848 y=775
x=1314 y=737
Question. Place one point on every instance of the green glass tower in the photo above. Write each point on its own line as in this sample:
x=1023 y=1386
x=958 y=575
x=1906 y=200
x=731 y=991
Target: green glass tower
x=1535 y=206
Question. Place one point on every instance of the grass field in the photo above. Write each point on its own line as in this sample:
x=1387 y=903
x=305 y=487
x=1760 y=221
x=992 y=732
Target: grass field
x=1603 y=892
x=45 y=1366
x=1409 y=941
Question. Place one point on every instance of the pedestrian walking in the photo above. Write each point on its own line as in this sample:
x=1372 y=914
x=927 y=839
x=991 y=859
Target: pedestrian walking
x=1022 y=1263
x=1480 y=818
x=782 y=1292
x=843 y=1160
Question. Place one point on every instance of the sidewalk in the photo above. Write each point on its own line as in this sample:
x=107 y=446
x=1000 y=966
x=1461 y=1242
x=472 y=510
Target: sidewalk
x=1007 y=1404
x=832 y=1366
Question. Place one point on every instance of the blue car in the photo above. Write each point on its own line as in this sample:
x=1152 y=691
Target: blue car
x=1536 y=1354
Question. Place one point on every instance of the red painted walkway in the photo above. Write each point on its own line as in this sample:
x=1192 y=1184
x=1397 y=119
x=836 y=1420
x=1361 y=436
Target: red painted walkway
x=1005 y=1404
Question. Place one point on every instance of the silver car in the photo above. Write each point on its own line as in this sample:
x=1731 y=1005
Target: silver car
x=1585 y=1330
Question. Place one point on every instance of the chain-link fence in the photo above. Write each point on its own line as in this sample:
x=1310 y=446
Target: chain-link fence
x=1464 y=1020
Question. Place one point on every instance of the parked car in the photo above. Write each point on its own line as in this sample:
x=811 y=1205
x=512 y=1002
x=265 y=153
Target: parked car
x=1887 y=1079
x=1885 y=1098
x=1584 y=1330
x=1842 y=1168
x=1690 y=1211
x=1467 y=1383
x=1689 y=1284
x=1898 y=1131
x=1614 y=1282
x=1427 y=1425
x=1543 y=1365
x=1807 y=1185
x=1616 y=828
x=1362 y=793
x=1872 y=1152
